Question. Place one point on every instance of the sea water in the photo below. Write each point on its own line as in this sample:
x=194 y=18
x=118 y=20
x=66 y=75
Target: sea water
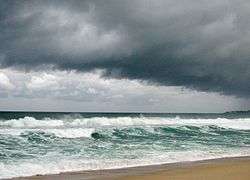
x=48 y=143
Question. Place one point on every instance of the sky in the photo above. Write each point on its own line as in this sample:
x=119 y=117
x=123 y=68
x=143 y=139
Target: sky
x=121 y=55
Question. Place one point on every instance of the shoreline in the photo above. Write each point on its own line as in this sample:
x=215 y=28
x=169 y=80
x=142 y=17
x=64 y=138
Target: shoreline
x=228 y=167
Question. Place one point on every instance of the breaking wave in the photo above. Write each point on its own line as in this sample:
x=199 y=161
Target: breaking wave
x=30 y=146
x=30 y=122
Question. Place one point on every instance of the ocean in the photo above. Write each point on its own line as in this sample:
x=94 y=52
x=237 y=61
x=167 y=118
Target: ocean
x=48 y=143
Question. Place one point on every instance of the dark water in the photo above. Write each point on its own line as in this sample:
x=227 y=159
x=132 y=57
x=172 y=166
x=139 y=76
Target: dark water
x=56 y=115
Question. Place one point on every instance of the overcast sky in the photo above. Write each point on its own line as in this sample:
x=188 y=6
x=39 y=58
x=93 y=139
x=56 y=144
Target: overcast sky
x=122 y=55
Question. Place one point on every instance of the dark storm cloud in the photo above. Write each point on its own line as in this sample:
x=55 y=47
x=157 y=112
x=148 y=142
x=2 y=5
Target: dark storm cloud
x=202 y=45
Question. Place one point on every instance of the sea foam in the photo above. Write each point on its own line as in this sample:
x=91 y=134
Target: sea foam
x=30 y=122
x=30 y=146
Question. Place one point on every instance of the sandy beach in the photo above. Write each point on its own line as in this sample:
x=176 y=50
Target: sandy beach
x=237 y=168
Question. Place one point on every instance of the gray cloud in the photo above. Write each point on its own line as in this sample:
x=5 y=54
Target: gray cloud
x=201 y=45
x=54 y=90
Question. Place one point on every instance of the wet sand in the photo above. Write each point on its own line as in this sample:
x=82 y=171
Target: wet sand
x=237 y=168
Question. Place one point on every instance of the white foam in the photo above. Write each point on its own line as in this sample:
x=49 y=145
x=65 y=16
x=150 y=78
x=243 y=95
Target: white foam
x=62 y=133
x=72 y=132
x=95 y=122
x=55 y=165
x=29 y=122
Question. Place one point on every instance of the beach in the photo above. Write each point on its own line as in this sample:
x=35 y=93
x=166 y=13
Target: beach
x=235 y=168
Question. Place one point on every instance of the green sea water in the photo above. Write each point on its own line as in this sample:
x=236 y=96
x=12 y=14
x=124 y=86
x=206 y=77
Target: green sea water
x=47 y=143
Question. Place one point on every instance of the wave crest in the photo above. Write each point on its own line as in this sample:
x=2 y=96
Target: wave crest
x=97 y=122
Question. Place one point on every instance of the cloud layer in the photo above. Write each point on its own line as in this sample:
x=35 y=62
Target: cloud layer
x=73 y=91
x=202 y=45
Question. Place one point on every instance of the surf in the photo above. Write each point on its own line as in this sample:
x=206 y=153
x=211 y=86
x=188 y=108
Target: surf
x=54 y=143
